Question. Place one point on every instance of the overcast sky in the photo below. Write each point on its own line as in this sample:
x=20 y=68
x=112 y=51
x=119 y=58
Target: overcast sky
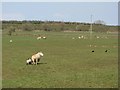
x=61 y=11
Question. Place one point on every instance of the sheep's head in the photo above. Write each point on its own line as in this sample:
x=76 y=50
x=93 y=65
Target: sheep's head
x=40 y=53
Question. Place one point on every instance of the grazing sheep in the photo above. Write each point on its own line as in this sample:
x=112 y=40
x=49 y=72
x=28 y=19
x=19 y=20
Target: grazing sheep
x=38 y=38
x=28 y=61
x=36 y=57
x=79 y=37
x=11 y=41
x=44 y=37
x=82 y=36
x=90 y=45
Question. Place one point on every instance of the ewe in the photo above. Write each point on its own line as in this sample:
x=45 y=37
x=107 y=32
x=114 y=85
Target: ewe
x=36 y=57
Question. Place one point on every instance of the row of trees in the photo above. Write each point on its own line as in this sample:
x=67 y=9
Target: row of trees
x=12 y=26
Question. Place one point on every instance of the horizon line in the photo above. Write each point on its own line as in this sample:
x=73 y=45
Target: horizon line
x=59 y=21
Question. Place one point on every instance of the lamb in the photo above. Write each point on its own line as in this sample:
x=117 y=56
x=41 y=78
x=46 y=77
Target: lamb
x=28 y=61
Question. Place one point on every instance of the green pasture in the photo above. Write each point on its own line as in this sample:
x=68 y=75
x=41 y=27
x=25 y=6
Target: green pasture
x=67 y=62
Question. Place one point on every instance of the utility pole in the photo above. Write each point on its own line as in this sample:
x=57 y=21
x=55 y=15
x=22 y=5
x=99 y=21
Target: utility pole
x=91 y=27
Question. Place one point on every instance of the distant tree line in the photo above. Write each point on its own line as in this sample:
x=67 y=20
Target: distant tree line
x=26 y=25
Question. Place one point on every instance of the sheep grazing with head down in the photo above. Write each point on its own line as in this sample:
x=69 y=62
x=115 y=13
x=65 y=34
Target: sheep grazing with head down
x=36 y=57
x=38 y=38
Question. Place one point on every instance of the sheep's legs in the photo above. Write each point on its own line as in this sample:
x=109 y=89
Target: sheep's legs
x=36 y=61
x=33 y=62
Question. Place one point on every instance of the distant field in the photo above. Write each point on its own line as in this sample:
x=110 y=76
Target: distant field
x=67 y=62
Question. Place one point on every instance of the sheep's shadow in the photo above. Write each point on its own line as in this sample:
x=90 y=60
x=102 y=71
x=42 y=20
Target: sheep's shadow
x=35 y=64
x=41 y=63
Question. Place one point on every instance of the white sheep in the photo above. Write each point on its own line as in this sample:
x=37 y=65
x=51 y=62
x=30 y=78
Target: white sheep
x=36 y=57
x=38 y=38
x=11 y=41
x=44 y=37
x=82 y=36
x=29 y=61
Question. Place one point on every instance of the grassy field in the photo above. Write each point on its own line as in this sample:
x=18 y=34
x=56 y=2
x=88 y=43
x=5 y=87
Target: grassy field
x=67 y=62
